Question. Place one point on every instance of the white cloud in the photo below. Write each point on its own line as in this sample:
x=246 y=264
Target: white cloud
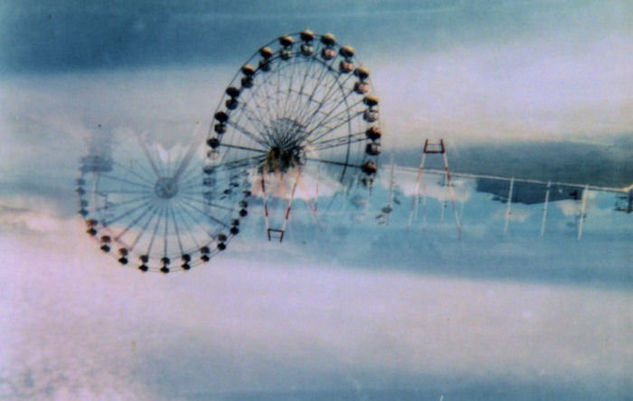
x=518 y=215
x=574 y=207
x=431 y=184
x=34 y=214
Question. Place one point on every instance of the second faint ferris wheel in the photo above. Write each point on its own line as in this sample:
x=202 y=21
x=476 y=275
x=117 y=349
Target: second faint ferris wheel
x=301 y=105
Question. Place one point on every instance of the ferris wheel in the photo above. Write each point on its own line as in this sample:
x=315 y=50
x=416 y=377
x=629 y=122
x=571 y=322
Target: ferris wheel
x=302 y=105
x=155 y=208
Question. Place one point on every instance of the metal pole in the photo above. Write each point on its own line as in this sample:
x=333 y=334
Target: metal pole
x=452 y=194
x=416 y=196
x=509 y=207
x=445 y=201
x=545 y=205
x=583 y=210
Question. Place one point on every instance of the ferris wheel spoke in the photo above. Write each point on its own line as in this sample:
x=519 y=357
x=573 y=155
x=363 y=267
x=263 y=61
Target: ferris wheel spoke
x=114 y=219
x=309 y=92
x=176 y=229
x=326 y=70
x=135 y=221
x=105 y=193
x=241 y=163
x=278 y=98
x=300 y=102
x=151 y=161
x=309 y=111
x=204 y=236
x=216 y=182
x=215 y=205
x=265 y=109
x=327 y=96
x=274 y=100
x=270 y=99
x=195 y=201
x=290 y=83
x=311 y=116
x=119 y=204
x=293 y=97
x=228 y=145
x=329 y=116
x=258 y=111
x=143 y=170
x=196 y=222
x=192 y=206
x=288 y=71
x=166 y=225
x=186 y=159
x=327 y=129
x=331 y=162
x=133 y=172
x=191 y=175
x=196 y=186
x=253 y=116
x=257 y=125
x=254 y=99
x=312 y=98
x=328 y=106
x=193 y=172
x=344 y=115
x=247 y=133
x=338 y=141
x=308 y=73
x=207 y=201
x=246 y=100
x=302 y=109
x=155 y=209
x=159 y=217
x=184 y=162
x=194 y=180
x=110 y=177
x=189 y=229
x=337 y=83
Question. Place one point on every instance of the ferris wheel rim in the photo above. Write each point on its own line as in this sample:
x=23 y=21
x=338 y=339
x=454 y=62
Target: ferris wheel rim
x=256 y=52
x=150 y=202
x=219 y=140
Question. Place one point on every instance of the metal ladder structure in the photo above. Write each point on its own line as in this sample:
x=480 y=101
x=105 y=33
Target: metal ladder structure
x=435 y=148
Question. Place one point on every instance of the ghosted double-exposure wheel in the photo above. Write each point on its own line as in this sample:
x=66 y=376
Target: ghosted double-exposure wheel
x=157 y=209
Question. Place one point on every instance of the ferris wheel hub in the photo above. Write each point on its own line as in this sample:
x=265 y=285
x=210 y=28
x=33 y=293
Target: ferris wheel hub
x=286 y=147
x=166 y=187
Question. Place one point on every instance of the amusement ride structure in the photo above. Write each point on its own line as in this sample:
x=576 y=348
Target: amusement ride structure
x=299 y=120
x=157 y=209
x=301 y=106
x=300 y=110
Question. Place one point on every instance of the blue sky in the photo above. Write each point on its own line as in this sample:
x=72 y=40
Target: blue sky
x=344 y=307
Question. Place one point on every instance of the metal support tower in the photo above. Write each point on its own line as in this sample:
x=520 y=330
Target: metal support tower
x=435 y=148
